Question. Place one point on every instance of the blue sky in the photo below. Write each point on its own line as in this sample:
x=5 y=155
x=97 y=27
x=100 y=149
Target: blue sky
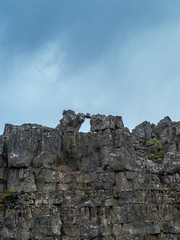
x=118 y=57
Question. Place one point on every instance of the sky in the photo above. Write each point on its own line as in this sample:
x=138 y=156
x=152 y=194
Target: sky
x=118 y=57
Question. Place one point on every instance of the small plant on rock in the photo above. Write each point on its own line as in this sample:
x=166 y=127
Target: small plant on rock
x=88 y=184
x=159 y=154
x=156 y=143
x=7 y=198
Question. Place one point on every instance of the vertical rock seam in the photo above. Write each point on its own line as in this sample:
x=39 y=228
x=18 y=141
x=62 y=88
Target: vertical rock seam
x=111 y=184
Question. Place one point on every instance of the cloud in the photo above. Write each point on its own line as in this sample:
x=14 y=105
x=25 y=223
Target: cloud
x=90 y=26
x=97 y=61
x=139 y=82
x=152 y=73
x=30 y=83
x=38 y=87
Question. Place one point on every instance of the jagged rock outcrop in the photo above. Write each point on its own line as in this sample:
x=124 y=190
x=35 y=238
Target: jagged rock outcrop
x=97 y=185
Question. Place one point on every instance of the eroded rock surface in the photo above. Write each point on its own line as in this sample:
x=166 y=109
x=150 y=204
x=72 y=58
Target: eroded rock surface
x=97 y=185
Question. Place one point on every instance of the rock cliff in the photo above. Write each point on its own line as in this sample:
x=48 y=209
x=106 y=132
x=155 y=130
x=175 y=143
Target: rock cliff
x=62 y=184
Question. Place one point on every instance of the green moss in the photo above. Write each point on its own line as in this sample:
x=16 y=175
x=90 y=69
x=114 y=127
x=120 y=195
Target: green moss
x=158 y=155
x=88 y=184
x=147 y=221
x=8 y=196
x=2 y=208
x=156 y=143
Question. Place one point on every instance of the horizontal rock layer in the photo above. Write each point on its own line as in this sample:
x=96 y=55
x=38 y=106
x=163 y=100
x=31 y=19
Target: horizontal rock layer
x=97 y=185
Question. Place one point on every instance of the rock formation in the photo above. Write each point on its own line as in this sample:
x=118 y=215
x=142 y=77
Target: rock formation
x=62 y=184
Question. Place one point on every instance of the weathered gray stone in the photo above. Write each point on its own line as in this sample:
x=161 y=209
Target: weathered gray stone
x=21 y=180
x=98 y=185
x=102 y=122
x=171 y=163
x=71 y=122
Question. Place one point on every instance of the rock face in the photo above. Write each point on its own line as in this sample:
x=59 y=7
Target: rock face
x=97 y=185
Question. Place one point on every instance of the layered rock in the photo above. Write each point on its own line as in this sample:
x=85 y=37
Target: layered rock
x=97 y=185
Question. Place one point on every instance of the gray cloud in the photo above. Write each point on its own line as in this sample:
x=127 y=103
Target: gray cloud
x=117 y=58
x=89 y=26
